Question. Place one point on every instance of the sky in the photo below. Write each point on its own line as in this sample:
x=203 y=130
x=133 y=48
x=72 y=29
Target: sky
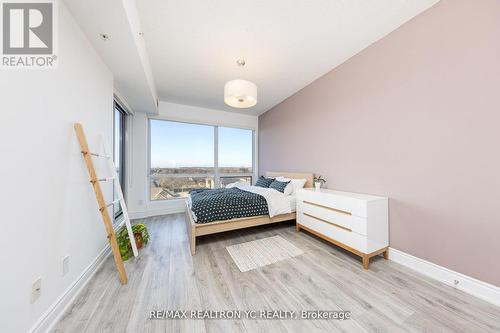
x=175 y=144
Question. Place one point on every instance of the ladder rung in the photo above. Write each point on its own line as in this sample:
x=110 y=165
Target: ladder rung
x=101 y=180
x=110 y=204
x=114 y=202
x=118 y=225
x=95 y=154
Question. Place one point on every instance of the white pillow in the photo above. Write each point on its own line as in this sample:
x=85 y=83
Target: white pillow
x=295 y=184
x=235 y=184
x=289 y=187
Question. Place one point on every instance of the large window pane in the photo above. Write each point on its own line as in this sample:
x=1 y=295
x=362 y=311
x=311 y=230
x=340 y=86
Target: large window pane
x=184 y=150
x=235 y=150
x=168 y=187
x=180 y=148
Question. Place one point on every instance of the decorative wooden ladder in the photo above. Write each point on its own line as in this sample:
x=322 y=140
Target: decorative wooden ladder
x=103 y=207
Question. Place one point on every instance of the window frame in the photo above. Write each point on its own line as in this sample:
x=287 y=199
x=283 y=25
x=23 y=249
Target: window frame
x=217 y=176
x=123 y=138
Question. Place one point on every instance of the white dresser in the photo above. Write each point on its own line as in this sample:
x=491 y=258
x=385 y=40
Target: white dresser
x=355 y=222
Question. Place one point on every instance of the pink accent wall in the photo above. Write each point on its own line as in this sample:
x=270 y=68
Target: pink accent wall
x=415 y=117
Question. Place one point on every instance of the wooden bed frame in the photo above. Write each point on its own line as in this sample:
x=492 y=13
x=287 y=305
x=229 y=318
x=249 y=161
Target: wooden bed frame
x=201 y=229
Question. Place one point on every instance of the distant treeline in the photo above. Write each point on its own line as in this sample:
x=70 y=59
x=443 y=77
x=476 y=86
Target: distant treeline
x=200 y=170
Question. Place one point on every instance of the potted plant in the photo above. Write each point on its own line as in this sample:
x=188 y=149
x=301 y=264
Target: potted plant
x=141 y=236
x=318 y=181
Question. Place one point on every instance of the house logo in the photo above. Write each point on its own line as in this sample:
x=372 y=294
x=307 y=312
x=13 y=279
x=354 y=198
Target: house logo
x=28 y=34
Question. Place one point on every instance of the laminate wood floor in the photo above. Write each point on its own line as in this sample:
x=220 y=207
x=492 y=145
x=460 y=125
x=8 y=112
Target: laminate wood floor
x=386 y=298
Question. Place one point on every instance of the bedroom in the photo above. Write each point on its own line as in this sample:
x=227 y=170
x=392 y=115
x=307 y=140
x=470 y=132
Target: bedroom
x=210 y=123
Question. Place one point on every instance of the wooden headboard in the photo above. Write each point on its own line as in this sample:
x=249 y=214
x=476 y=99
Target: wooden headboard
x=309 y=177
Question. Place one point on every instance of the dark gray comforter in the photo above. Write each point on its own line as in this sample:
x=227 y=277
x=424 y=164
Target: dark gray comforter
x=226 y=204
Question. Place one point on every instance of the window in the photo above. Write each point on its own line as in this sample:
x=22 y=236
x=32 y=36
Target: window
x=182 y=158
x=187 y=156
x=119 y=151
x=235 y=155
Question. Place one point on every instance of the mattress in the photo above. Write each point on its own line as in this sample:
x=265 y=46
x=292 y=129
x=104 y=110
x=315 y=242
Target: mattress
x=292 y=201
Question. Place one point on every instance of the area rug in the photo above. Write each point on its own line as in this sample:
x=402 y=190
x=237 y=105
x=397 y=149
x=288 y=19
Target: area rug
x=262 y=252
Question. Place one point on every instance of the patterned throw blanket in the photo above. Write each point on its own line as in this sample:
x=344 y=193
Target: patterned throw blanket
x=226 y=204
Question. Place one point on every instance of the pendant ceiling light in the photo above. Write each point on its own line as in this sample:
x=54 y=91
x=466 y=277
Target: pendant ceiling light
x=240 y=93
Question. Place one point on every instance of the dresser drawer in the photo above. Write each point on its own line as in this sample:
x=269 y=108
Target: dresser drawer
x=349 y=238
x=347 y=206
x=354 y=223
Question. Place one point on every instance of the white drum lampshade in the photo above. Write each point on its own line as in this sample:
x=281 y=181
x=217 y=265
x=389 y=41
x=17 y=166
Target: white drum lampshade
x=240 y=93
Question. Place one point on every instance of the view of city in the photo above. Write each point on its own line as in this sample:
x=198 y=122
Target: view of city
x=183 y=157
x=167 y=183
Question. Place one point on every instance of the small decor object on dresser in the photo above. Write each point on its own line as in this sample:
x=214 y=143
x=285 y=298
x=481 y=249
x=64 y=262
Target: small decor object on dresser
x=318 y=181
x=355 y=222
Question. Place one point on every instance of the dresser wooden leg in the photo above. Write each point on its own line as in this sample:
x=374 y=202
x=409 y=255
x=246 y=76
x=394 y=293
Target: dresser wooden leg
x=366 y=261
x=297 y=227
x=386 y=254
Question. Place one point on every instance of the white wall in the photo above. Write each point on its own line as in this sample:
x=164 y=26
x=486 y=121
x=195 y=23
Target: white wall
x=47 y=204
x=138 y=201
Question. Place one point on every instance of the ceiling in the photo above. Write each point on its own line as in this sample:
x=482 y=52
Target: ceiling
x=123 y=50
x=193 y=45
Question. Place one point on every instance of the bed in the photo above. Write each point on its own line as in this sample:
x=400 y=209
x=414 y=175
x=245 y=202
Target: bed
x=200 y=229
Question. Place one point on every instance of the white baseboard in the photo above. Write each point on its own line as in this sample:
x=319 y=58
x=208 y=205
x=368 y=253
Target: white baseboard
x=54 y=313
x=480 y=289
x=154 y=212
